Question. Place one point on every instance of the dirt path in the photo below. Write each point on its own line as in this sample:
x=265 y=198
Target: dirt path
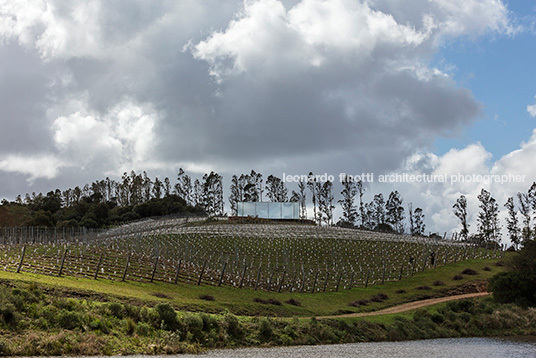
x=409 y=306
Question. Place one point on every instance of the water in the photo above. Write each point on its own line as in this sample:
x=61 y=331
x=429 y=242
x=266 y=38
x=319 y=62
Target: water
x=436 y=348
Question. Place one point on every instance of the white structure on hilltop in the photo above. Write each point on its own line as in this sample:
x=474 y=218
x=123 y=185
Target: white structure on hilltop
x=269 y=210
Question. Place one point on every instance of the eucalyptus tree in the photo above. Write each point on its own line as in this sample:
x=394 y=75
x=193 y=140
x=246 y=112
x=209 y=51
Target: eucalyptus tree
x=314 y=187
x=158 y=188
x=167 y=187
x=395 y=211
x=378 y=209
x=212 y=194
x=460 y=210
x=276 y=190
x=184 y=186
x=488 y=217
x=237 y=192
x=349 y=211
x=512 y=223
x=526 y=212
x=325 y=203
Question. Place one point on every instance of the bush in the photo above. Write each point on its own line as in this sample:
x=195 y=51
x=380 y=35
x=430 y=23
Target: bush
x=194 y=325
x=400 y=291
x=265 y=330
x=486 y=268
x=115 y=309
x=469 y=271
x=69 y=320
x=8 y=313
x=167 y=316
x=424 y=288
x=143 y=329
x=511 y=287
x=207 y=297
x=458 y=277
x=438 y=283
x=232 y=326
x=380 y=297
x=359 y=303
x=270 y=301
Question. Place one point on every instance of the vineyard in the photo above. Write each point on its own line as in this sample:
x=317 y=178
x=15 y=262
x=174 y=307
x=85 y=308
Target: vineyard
x=280 y=258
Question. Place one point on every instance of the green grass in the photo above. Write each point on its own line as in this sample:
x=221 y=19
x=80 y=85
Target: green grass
x=186 y=297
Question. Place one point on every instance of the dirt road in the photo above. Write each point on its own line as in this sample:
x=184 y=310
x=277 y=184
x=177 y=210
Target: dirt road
x=409 y=306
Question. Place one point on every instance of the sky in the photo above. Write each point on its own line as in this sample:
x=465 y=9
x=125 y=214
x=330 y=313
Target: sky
x=94 y=88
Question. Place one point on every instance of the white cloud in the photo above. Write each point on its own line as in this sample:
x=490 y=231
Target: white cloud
x=532 y=110
x=34 y=166
x=121 y=140
x=437 y=198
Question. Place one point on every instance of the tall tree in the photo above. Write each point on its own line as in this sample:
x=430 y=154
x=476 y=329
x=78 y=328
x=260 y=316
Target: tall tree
x=253 y=187
x=212 y=194
x=313 y=185
x=349 y=212
x=395 y=211
x=512 y=223
x=361 y=191
x=237 y=192
x=167 y=187
x=460 y=210
x=276 y=190
x=378 y=209
x=418 y=222
x=325 y=203
x=184 y=186
x=532 y=200
x=488 y=217
x=526 y=213
x=158 y=188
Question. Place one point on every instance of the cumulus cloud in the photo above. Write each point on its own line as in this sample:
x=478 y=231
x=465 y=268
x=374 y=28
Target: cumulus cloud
x=467 y=172
x=36 y=166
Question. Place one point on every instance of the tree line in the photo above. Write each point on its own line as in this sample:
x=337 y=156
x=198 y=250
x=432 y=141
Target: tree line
x=488 y=223
x=135 y=196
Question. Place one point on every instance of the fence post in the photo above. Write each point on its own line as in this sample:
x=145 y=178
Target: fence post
x=177 y=272
x=401 y=271
x=383 y=273
x=351 y=281
x=62 y=262
x=258 y=278
x=366 y=281
x=201 y=273
x=281 y=282
x=293 y=282
x=126 y=267
x=222 y=273
x=270 y=280
x=243 y=275
x=326 y=282
x=155 y=267
x=21 y=258
x=338 y=282
x=98 y=267
x=314 y=283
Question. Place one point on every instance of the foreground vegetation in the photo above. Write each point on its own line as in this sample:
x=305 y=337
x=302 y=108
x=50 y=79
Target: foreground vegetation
x=43 y=315
x=36 y=321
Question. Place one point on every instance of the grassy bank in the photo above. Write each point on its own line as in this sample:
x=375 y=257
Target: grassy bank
x=212 y=299
x=42 y=315
x=36 y=323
